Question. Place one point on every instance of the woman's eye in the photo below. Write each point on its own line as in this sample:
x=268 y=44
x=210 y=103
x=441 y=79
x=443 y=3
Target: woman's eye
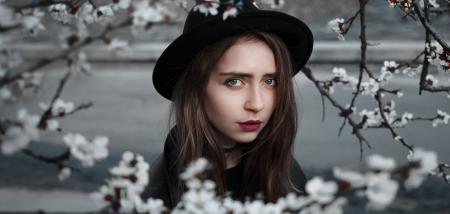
x=233 y=82
x=270 y=82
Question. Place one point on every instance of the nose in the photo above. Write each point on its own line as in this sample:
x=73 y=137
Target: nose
x=254 y=100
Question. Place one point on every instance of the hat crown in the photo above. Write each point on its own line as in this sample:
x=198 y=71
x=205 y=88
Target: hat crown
x=195 y=17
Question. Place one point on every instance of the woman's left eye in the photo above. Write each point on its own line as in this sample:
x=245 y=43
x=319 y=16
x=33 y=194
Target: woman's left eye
x=270 y=82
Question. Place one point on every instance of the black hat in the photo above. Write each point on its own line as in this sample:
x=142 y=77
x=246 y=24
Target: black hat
x=201 y=30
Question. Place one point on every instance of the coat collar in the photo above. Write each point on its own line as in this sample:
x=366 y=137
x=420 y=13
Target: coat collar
x=173 y=167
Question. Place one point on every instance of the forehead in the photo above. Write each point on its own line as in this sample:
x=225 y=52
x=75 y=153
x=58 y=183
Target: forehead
x=247 y=56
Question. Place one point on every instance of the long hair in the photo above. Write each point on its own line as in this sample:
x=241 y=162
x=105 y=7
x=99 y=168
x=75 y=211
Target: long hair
x=268 y=159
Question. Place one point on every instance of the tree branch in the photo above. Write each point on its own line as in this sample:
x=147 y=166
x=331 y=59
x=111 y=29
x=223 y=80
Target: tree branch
x=45 y=3
x=388 y=125
x=57 y=160
x=426 y=24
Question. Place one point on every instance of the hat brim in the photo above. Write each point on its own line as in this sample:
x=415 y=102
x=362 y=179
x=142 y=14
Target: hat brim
x=174 y=59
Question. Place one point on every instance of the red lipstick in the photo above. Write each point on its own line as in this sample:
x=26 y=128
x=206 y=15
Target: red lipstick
x=250 y=126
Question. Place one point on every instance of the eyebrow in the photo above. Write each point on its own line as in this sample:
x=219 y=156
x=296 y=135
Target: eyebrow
x=245 y=75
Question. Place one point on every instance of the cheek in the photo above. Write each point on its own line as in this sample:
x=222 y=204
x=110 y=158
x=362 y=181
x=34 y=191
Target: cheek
x=220 y=104
x=270 y=102
x=223 y=104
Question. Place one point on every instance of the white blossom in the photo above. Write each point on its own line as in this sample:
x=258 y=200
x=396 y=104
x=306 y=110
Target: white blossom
x=32 y=23
x=233 y=206
x=64 y=173
x=120 y=47
x=85 y=13
x=373 y=117
x=5 y=94
x=385 y=76
x=209 y=7
x=340 y=74
x=200 y=201
x=321 y=191
x=60 y=12
x=443 y=118
x=370 y=87
x=387 y=71
x=390 y=66
x=9 y=58
x=194 y=168
x=381 y=190
x=127 y=156
x=230 y=13
x=103 y=14
x=431 y=80
x=438 y=56
x=146 y=14
x=348 y=106
x=52 y=125
x=121 y=4
x=407 y=4
x=337 y=25
x=254 y=207
x=60 y=107
x=29 y=82
x=151 y=206
x=425 y=163
x=377 y=162
x=355 y=179
x=412 y=72
x=130 y=178
x=69 y=37
x=404 y=120
x=433 y=3
x=274 y=4
x=87 y=151
x=80 y=63
x=336 y=207
x=18 y=137
x=14 y=140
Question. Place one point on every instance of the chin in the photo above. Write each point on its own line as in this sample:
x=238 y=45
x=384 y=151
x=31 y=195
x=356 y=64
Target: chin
x=246 y=138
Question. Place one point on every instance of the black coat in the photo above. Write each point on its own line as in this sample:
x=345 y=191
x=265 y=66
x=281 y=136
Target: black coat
x=164 y=182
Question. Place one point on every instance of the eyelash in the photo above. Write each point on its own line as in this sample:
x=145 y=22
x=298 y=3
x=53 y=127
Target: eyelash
x=228 y=82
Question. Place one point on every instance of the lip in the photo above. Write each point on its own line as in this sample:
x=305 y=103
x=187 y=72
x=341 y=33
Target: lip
x=250 y=125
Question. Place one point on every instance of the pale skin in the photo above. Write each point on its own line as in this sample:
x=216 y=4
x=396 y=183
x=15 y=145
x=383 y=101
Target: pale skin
x=241 y=88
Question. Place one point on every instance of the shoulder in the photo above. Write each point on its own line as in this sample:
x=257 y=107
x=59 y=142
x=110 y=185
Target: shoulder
x=297 y=177
x=157 y=186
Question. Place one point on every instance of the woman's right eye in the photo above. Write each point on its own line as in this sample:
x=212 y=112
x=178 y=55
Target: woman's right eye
x=233 y=82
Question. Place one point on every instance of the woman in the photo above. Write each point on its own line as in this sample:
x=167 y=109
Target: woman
x=231 y=87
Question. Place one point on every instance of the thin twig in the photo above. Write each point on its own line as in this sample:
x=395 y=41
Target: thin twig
x=387 y=125
x=57 y=160
x=78 y=108
x=48 y=113
x=63 y=55
x=350 y=22
x=45 y=3
x=356 y=132
x=426 y=24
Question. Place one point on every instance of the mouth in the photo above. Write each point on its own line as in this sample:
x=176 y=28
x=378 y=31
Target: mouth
x=250 y=126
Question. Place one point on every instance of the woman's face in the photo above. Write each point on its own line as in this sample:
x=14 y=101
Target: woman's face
x=241 y=91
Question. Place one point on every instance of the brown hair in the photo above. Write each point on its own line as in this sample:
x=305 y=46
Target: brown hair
x=268 y=160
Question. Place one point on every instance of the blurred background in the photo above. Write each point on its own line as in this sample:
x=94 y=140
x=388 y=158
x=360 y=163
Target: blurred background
x=129 y=111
